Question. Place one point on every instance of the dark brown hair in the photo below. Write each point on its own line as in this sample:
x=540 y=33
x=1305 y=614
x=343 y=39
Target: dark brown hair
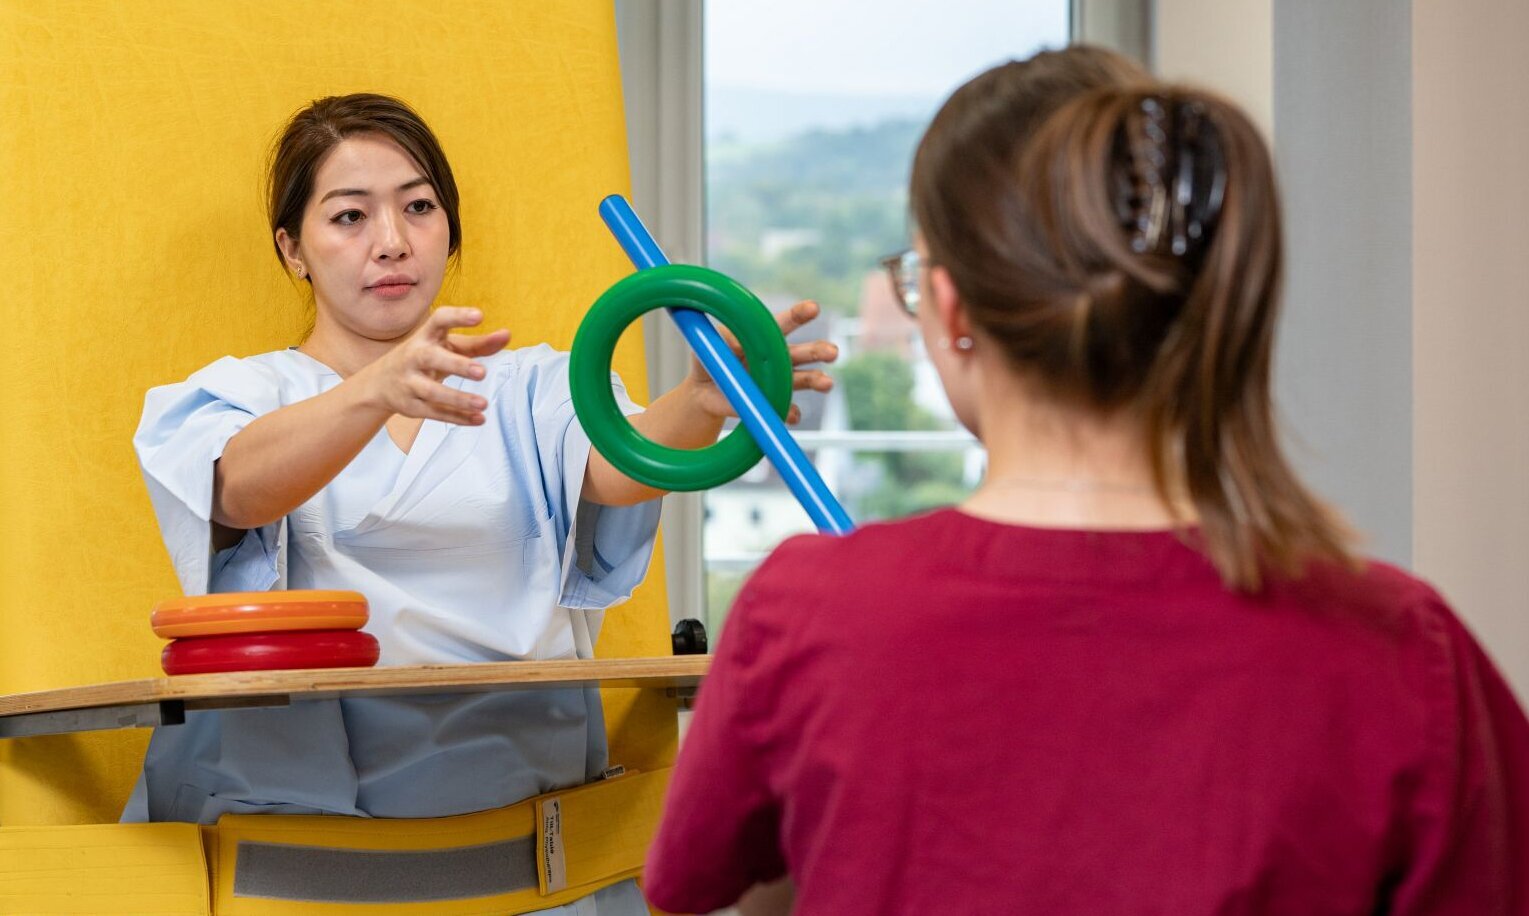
x=317 y=129
x=1120 y=240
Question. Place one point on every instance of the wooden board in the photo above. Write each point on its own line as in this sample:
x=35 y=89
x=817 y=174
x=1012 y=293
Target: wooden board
x=94 y=706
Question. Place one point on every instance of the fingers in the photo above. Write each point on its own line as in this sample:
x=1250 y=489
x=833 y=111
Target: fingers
x=451 y=398
x=444 y=362
x=427 y=411
x=817 y=351
x=730 y=340
x=811 y=380
x=447 y=317
x=797 y=315
x=434 y=396
x=794 y=415
x=790 y=320
x=425 y=407
x=479 y=344
x=412 y=374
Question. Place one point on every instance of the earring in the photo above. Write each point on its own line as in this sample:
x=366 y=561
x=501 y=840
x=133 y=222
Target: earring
x=962 y=343
x=302 y=272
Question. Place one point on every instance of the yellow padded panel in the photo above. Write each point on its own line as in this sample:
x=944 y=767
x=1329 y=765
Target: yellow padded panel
x=149 y=869
x=135 y=251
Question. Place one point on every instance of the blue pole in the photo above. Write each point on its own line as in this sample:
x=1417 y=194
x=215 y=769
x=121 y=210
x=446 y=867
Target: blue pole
x=768 y=430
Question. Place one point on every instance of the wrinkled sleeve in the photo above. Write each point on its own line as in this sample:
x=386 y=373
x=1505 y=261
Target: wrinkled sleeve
x=720 y=830
x=184 y=430
x=605 y=549
x=1470 y=841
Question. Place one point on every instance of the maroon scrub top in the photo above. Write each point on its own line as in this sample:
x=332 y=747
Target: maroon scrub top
x=950 y=715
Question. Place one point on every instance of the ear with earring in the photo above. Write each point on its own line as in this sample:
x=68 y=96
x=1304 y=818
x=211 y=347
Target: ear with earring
x=947 y=305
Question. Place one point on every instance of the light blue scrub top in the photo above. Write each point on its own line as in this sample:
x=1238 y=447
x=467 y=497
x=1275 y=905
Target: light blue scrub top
x=472 y=547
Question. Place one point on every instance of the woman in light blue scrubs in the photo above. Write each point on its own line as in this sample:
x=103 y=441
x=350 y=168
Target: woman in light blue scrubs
x=438 y=473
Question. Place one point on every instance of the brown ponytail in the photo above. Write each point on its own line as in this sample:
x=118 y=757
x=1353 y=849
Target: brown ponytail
x=1126 y=255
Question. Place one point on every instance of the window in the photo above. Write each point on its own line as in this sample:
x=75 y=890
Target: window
x=812 y=113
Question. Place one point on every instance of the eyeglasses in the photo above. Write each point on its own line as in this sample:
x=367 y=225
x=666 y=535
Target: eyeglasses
x=903 y=269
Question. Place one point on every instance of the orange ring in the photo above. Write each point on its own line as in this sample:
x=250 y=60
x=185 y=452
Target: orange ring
x=259 y=612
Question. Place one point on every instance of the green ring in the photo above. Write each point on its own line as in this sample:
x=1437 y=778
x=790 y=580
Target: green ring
x=589 y=370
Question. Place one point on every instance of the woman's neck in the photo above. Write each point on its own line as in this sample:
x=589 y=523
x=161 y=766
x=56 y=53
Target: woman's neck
x=343 y=351
x=1053 y=466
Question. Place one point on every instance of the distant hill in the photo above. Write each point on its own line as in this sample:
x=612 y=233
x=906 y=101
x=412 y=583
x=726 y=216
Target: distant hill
x=741 y=115
x=874 y=156
x=809 y=214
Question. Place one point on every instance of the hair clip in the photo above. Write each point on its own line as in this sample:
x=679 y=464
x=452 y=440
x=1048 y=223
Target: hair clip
x=1141 y=200
x=1200 y=180
x=1161 y=138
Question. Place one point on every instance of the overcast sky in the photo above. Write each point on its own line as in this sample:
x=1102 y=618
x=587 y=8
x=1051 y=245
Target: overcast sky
x=872 y=47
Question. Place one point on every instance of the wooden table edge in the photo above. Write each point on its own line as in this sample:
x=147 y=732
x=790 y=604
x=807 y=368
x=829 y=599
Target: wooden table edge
x=207 y=690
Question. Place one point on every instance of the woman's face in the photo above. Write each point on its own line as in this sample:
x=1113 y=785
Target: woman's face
x=374 y=239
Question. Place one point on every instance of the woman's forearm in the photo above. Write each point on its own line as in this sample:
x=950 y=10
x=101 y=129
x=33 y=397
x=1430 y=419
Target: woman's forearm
x=280 y=460
x=670 y=420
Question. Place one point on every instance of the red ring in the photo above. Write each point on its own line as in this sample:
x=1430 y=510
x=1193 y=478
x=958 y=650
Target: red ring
x=270 y=652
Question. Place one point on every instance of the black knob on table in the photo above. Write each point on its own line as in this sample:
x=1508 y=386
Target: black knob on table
x=690 y=637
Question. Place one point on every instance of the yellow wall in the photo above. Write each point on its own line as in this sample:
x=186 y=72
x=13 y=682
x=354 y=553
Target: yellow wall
x=134 y=250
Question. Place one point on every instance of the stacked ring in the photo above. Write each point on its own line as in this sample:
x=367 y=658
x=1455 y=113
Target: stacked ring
x=259 y=612
x=262 y=631
x=271 y=651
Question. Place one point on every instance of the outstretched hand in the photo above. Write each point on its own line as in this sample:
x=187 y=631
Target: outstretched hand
x=711 y=399
x=408 y=380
